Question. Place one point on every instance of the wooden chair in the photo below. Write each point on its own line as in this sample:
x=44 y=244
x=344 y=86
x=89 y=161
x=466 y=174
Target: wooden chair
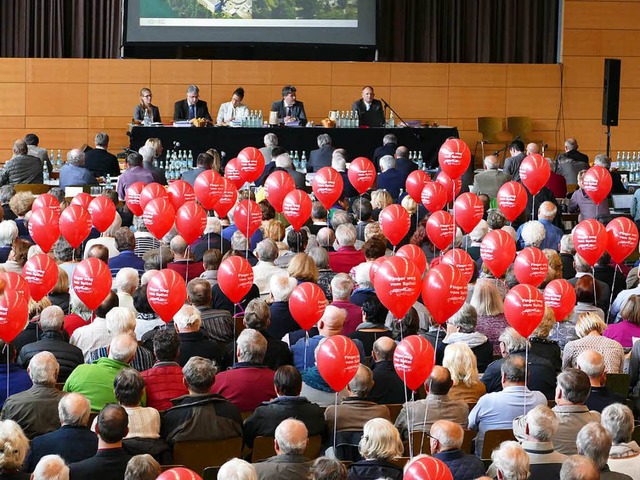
x=467 y=441
x=418 y=439
x=520 y=127
x=263 y=448
x=35 y=188
x=492 y=131
x=197 y=455
x=493 y=439
x=394 y=411
x=210 y=473
x=619 y=383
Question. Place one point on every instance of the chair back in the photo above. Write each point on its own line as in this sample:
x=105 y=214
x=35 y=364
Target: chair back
x=493 y=439
x=490 y=127
x=347 y=445
x=619 y=383
x=35 y=188
x=394 y=411
x=519 y=127
x=199 y=454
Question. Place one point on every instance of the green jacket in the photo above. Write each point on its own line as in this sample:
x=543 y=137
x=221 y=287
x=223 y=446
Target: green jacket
x=95 y=381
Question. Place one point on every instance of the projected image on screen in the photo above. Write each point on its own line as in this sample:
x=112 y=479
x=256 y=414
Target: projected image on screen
x=308 y=13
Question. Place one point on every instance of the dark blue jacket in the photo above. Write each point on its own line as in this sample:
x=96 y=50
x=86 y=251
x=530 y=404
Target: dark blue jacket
x=126 y=259
x=73 y=444
x=374 y=469
x=19 y=381
x=462 y=465
x=282 y=322
x=392 y=181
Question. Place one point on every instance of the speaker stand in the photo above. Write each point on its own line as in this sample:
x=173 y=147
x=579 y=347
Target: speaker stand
x=609 y=141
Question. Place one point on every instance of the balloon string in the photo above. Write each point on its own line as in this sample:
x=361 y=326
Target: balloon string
x=7 y=348
x=235 y=348
x=306 y=344
x=613 y=284
x=593 y=275
x=526 y=378
x=335 y=423
x=453 y=240
x=426 y=409
x=406 y=401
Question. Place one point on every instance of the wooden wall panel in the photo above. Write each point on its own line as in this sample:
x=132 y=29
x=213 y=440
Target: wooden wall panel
x=419 y=102
x=470 y=75
x=57 y=70
x=112 y=100
x=351 y=73
x=181 y=72
x=305 y=73
x=231 y=72
x=419 y=75
x=12 y=99
x=12 y=70
x=473 y=102
x=120 y=71
x=525 y=76
x=56 y=99
x=610 y=15
x=601 y=43
x=583 y=103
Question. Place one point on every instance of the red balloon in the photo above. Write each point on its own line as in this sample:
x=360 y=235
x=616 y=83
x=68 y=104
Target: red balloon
x=327 y=185
x=91 y=281
x=622 y=238
x=397 y=283
x=531 y=266
x=434 y=196
x=296 y=208
x=395 y=223
x=441 y=230
x=524 y=308
x=247 y=216
x=560 y=296
x=179 y=473
x=277 y=186
x=167 y=293
x=151 y=192
x=375 y=265
x=497 y=251
x=469 y=210
x=208 y=188
x=14 y=315
x=444 y=291
x=84 y=199
x=338 y=360
x=534 y=172
x=46 y=200
x=251 y=163
x=462 y=260
x=103 y=212
x=228 y=198
x=14 y=281
x=180 y=192
x=132 y=198
x=415 y=185
x=512 y=200
x=597 y=183
x=233 y=172
x=235 y=277
x=451 y=187
x=427 y=468
x=414 y=254
x=75 y=224
x=41 y=273
x=413 y=361
x=590 y=240
x=362 y=174
x=191 y=220
x=454 y=157
x=306 y=304
x=159 y=216
x=44 y=227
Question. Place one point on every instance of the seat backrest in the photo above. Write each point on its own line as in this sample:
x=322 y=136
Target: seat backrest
x=467 y=441
x=489 y=127
x=493 y=439
x=347 y=445
x=210 y=473
x=35 y=188
x=519 y=126
x=394 y=411
x=619 y=383
x=197 y=455
x=420 y=443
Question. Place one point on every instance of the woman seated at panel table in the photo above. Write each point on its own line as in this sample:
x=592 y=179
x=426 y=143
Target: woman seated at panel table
x=145 y=104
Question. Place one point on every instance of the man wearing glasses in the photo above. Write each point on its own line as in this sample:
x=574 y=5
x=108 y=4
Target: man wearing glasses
x=191 y=107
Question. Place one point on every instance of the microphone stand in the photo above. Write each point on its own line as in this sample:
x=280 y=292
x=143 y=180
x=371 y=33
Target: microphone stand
x=412 y=129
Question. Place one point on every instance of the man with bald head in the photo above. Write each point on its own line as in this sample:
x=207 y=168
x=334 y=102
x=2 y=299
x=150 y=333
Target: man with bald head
x=403 y=164
x=490 y=181
x=445 y=438
x=533 y=148
x=437 y=405
x=289 y=462
x=592 y=363
x=73 y=441
x=331 y=323
x=183 y=262
x=388 y=387
x=22 y=168
x=74 y=173
x=546 y=214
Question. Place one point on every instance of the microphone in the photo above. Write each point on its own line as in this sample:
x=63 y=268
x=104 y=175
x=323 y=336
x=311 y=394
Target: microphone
x=384 y=101
x=545 y=146
x=176 y=144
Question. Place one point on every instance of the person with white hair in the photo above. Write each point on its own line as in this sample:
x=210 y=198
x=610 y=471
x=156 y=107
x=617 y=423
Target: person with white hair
x=51 y=467
x=125 y=284
x=266 y=252
x=445 y=438
x=321 y=157
x=579 y=467
x=36 y=409
x=250 y=381
x=193 y=342
x=73 y=172
x=594 y=442
x=346 y=256
x=237 y=469
x=8 y=233
x=282 y=161
x=183 y=262
x=342 y=287
x=379 y=446
x=52 y=340
x=390 y=178
x=490 y=180
x=567 y=251
x=14 y=450
x=270 y=141
x=592 y=363
x=532 y=234
x=73 y=441
x=624 y=455
x=281 y=285
x=95 y=381
x=145 y=241
x=107 y=239
x=94 y=334
x=142 y=467
x=289 y=462
x=476 y=236
x=511 y=462
x=211 y=238
x=149 y=154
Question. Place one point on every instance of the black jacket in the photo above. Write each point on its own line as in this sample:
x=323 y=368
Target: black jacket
x=462 y=466
x=542 y=375
x=387 y=385
x=107 y=464
x=195 y=344
x=221 y=302
x=210 y=240
x=277 y=354
x=181 y=110
x=297 y=110
x=21 y=169
x=282 y=322
x=267 y=417
x=374 y=469
x=320 y=158
x=68 y=356
x=101 y=163
x=73 y=444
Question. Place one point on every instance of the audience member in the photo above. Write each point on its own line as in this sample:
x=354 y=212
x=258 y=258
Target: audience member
x=14 y=450
x=218 y=324
x=462 y=365
x=594 y=442
x=188 y=324
x=142 y=467
x=624 y=455
x=578 y=467
x=511 y=462
x=446 y=439
x=592 y=363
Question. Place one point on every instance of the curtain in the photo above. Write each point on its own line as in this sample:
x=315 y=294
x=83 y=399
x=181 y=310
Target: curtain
x=60 y=28
x=468 y=31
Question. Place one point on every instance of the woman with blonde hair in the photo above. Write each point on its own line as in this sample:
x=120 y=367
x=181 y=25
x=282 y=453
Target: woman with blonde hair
x=555 y=266
x=489 y=304
x=145 y=105
x=216 y=165
x=380 y=443
x=275 y=230
x=461 y=362
x=541 y=345
x=14 y=446
x=589 y=328
x=379 y=200
x=303 y=268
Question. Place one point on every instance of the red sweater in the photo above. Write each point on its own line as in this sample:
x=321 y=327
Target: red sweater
x=245 y=385
x=163 y=382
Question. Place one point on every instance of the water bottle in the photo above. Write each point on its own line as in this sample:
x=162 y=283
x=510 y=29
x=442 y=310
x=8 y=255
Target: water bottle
x=260 y=118
x=52 y=157
x=59 y=161
x=190 y=160
x=356 y=119
x=108 y=183
x=303 y=163
x=146 y=120
x=45 y=172
x=392 y=121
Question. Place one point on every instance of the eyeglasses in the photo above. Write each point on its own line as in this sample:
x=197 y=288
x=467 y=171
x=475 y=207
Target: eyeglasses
x=430 y=436
x=147 y=96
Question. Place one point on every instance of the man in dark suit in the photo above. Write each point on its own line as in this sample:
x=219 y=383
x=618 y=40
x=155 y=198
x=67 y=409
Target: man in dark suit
x=512 y=164
x=282 y=161
x=322 y=156
x=389 y=145
x=191 y=107
x=403 y=164
x=110 y=461
x=290 y=110
x=390 y=179
x=571 y=150
x=369 y=110
x=99 y=161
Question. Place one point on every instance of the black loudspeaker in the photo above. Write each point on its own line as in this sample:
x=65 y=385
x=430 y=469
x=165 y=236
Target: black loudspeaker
x=611 y=92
